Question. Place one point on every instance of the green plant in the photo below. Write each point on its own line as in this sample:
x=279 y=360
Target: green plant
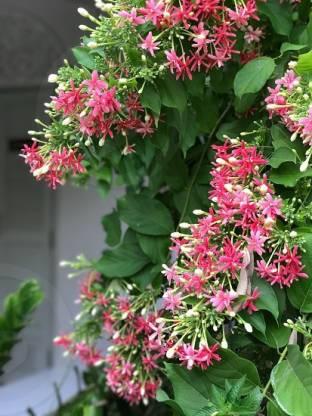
x=17 y=308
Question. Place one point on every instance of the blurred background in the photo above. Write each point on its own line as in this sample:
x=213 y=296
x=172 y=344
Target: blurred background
x=39 y=227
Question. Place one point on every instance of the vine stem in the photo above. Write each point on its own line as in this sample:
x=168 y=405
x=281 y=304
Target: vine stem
x=207 y=144
x=266 y=388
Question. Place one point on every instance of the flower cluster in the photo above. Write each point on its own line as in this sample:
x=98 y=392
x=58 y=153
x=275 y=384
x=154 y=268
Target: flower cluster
x=291 y=100
x=84 y=114
x=202 y=34
x=127 y=323
x=52 y=166
x=140 y=45
x=211 y=279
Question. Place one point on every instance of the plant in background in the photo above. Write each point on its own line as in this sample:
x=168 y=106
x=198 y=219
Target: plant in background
x=291 y=100
x=17 y=308
x=193 y=108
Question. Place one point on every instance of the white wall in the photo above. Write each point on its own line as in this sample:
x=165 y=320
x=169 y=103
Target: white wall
x=78 y=230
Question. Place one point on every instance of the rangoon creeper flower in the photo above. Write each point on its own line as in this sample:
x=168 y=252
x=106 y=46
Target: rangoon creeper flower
x=131 y=362
x=213 y=253
x=291 y=101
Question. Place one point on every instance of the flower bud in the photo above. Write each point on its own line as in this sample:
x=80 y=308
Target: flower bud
x=263 y=189
x=220 y=161
x=198 y=212
x=170 y=353
x=184 y=225
x=228 y=187
x=66 y=121
x=304 y=165
x=224 y=344
x=52 y=78
x=176 y=234
x=248 y=327
x=92 y=44
x=83 y=27
x=83 y=12
x=293 y=136
x=292 y=64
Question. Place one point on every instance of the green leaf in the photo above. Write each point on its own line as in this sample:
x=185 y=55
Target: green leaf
x=156 y=248
x=282 y=155
x=188 y=129
x=145 y=215
x=243 y=104
x=161 y=139
x=276 y=335
x=150 y=99
x=197 y=384
x=288 y=174
x=304 y=64
x=162 y=397
x=286 y=46
x=83 y=57
x=195 y=86
x=172 y=93
x=255 y=319
x=124 y=261
x=281 y=138
x=131 y=170
x=206 y=109
x=112 y=227
x=231 y=129
x=253 y=76
x=292 y=383
x=250 y=405
x=176 y=172
x=300 y=292
x=268 y=300
x=306 y=35
x=274 y=410
x=147 y=275
x=17 y=308
x=279 y=14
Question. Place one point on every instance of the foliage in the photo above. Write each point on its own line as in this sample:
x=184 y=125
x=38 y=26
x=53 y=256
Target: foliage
x=17 y=308
x=216 y=155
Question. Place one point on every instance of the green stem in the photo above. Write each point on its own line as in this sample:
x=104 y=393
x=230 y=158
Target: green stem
x=207 y=144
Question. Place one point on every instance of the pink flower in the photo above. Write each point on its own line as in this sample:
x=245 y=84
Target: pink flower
x=271 y=207
x=149 y=44
x=231 y=259
x=132 y=17
x=175 y=63
x=253 y=34
x=222 y=300
x=249 y=303
x=200 y=35
x=242 y=14
x=206 y=354
x=63 y=341
x=290 y=80
x=188 y=354
x=306 y=123
x=256 y=241
x=95 y=84
x=153 y=10
x=171 y=300
x=104 y=102
x=69 y=101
